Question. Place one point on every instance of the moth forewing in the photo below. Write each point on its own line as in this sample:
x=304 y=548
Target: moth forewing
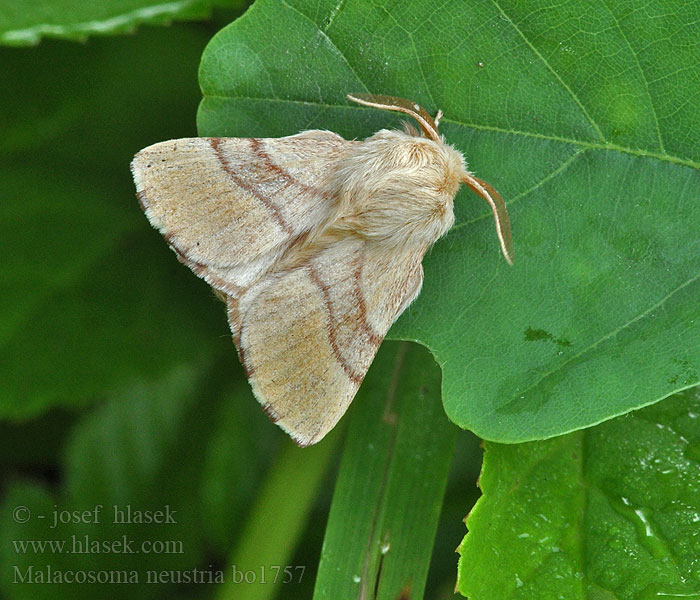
x=315 y=241
x=228 y=209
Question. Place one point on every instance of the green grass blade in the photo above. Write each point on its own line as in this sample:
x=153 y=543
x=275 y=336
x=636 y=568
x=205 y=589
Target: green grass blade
x=391 y=482
x=277 y=521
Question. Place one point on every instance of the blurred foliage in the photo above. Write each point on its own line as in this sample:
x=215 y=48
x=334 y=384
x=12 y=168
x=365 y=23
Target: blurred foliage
x=25 y=22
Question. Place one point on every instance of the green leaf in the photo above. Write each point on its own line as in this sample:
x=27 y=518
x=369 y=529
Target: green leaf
x=582 y=117
x=25 y=22
x=392 y=479
x=609 y=512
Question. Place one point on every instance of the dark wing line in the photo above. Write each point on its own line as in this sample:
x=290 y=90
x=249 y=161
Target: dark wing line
x=215 y=143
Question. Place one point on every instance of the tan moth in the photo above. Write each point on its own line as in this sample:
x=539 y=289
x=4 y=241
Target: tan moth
x=315 y=242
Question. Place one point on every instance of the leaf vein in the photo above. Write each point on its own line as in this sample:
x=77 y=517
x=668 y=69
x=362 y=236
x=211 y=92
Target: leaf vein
x=687 y=162
x=608 y=336
x=642 y=73
x=551 y=69
x=551 y=175
x=331 y=43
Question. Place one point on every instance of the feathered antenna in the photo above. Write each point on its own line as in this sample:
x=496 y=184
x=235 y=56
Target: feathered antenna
x=426 y=122
x=500 y=214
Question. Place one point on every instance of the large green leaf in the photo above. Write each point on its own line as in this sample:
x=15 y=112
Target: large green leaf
x=583 y=116
x=610 y=512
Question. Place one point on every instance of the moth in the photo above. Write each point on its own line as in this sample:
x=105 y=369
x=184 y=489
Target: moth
x=315 y=243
